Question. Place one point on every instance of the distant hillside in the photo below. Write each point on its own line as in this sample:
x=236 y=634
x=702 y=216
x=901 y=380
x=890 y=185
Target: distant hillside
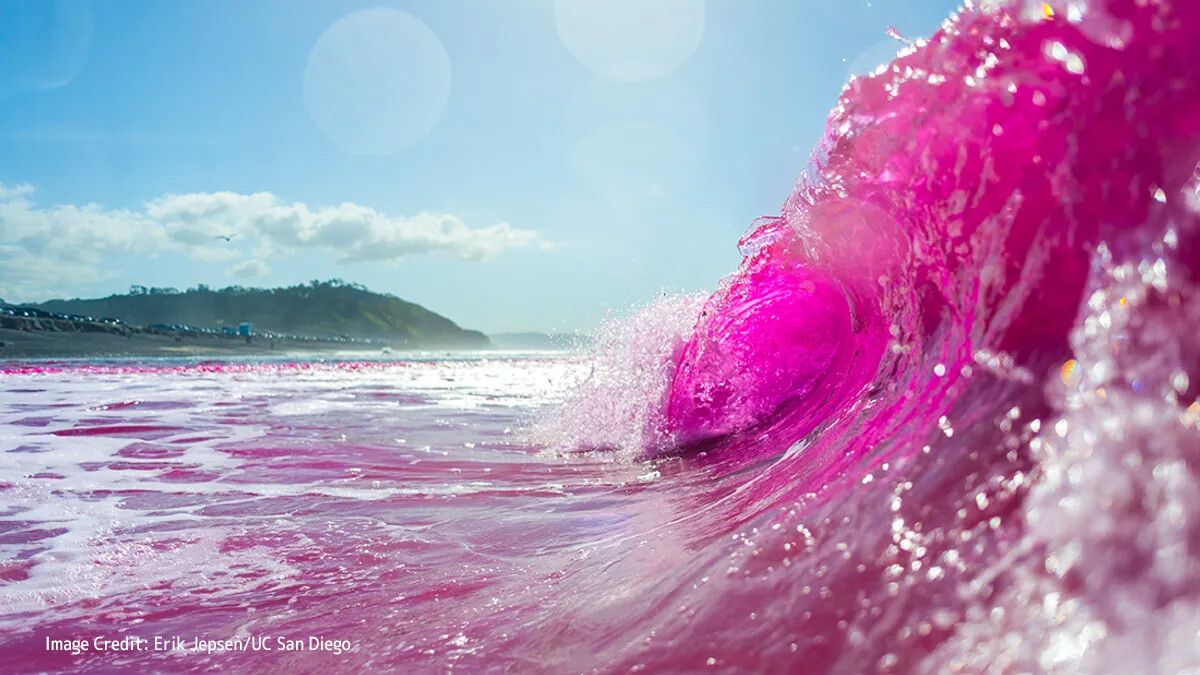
x=330 y=308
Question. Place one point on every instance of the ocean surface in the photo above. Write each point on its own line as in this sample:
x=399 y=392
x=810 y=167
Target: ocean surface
x=393 y=505
x=942 y=418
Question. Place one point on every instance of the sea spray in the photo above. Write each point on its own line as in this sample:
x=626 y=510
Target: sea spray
x=621 y=404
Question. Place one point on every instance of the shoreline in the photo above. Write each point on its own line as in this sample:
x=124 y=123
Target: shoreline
x=16 y=345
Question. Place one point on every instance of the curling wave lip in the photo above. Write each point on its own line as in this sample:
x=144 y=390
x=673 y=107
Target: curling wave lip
x=954 y=205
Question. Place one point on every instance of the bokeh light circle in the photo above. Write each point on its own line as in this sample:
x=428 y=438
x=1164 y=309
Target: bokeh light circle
x=377 y=81
x=44 y=44
x=630 y=40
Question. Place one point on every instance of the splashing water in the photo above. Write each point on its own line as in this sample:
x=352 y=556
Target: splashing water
x=619 y=406
x=943 y=417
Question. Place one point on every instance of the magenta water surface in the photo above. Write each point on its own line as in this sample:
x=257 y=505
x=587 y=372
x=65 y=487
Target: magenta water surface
x=943 y=417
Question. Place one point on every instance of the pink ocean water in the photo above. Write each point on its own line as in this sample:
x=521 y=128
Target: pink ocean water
x=943 y=417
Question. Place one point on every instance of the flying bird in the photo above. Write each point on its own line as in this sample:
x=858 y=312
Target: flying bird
x=226 y=237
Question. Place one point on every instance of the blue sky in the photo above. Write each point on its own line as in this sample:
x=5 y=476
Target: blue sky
x=524 y=165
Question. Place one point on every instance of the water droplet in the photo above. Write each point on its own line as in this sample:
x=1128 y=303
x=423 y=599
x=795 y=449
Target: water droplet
x=1070 y=373
x=1179 y=381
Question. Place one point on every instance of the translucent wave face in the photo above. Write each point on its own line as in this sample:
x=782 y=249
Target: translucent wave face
x=762 y=343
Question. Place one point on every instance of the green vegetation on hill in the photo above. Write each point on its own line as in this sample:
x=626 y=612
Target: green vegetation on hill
x=319 y=308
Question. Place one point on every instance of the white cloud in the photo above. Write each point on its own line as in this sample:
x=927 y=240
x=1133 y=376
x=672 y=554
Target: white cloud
x=352 y=232
x=68 y=244
x=249 y=269
x=79 y=235
x=24 y=276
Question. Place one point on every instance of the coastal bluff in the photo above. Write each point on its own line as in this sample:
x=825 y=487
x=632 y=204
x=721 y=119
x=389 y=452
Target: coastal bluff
x=319 y=309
